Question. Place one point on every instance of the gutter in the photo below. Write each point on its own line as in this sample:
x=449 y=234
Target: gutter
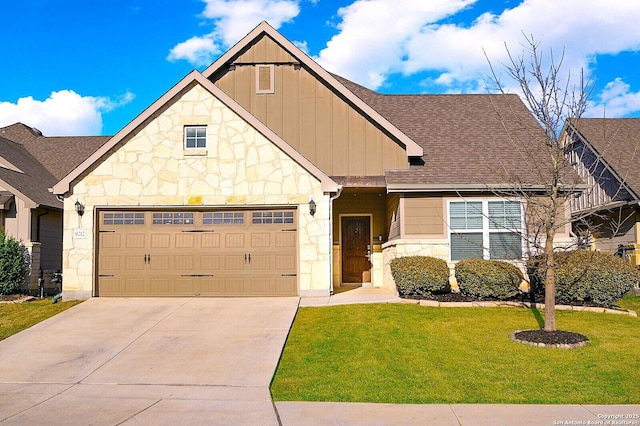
x=471 y=187
x=46 y=212
x=611 y=206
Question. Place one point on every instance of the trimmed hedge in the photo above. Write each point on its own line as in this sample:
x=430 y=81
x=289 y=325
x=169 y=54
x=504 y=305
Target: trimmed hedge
x=582 y=275
x=419 y=275
x=488 y=279
x=14 y=265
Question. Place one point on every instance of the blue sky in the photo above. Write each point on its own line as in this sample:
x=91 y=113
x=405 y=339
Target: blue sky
x=88 y=67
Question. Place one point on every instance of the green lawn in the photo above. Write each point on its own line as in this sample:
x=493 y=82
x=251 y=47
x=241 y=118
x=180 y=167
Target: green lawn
x=15 y=317
x=401 y=353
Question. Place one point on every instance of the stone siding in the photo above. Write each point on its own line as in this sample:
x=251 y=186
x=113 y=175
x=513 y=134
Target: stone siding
x=239 y=167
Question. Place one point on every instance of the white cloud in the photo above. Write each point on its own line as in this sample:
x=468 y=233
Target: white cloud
x=63 y=113
x=197 y=50
x=378 y=37
x=616 y=100
x=232 y=19
x=374 y=36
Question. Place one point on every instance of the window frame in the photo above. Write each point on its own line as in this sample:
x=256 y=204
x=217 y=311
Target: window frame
x=272 y=79
x=488 y=227
x=195 y=138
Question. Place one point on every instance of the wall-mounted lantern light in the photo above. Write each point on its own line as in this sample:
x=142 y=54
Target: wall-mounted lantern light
x=79 y=208
x=312 y=207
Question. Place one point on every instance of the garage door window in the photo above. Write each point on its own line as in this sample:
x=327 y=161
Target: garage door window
x=172 y=218
x=272 y=217
x=223 y=218
x=121 y=218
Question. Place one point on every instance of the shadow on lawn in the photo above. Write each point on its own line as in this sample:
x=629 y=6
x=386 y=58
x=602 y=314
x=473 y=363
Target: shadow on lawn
x=538 y=316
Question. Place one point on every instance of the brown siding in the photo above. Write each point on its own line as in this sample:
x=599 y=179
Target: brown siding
x=393 y=216
x=310 y=116
x=424 y=216
x=50 y=238
x=361 y=203
x=535 y=211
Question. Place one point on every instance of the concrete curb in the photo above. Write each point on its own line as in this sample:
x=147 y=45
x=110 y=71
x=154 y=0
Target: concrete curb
x=528 y=305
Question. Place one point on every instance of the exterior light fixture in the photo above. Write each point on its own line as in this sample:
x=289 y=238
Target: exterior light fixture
x=312 y=207
x=79 y=208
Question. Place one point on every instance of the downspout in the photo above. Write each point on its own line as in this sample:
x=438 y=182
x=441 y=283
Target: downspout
x=41 y=277
x=335 y=197
x=38 y=223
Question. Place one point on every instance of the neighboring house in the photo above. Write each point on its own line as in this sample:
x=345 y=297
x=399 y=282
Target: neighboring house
x=30 y=164
x=267 y=175
x=606 y=153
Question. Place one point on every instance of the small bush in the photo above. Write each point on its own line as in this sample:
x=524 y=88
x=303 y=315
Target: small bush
x=582 y=275
x=14 y=265
x=488 y=279
x=419 y=275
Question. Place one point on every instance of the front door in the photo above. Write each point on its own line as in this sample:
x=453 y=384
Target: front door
x=356 y=249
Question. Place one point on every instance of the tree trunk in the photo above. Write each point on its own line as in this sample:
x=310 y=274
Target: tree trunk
x=550 y=283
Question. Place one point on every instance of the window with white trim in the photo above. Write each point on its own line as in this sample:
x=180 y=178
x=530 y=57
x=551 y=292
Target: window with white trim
x=195 y=137
x=485 y=229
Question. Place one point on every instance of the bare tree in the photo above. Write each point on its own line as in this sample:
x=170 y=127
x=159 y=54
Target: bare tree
x=553 y=98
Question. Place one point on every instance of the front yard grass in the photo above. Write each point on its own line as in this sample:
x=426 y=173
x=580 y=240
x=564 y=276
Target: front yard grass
x=401 y=353
x=15 y=317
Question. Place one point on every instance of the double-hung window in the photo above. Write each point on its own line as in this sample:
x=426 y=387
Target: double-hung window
x=485 y=229
x=195 y=137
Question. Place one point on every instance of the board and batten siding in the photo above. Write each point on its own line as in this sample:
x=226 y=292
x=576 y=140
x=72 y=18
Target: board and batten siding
x=424 y=216
x=307 y=114
x=393 y=216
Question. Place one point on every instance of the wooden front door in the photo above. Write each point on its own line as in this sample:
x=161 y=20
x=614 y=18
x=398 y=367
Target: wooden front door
x=356 y=249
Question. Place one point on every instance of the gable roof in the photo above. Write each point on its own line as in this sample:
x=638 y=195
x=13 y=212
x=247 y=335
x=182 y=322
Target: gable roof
x=58 y=154
x=470 y=141
x=32 y=163
x=412 y=148
x=616 y=142
x=193 y=78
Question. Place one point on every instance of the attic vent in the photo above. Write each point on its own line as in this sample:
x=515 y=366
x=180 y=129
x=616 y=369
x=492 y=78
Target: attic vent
x=36 y=131
x=265 y=78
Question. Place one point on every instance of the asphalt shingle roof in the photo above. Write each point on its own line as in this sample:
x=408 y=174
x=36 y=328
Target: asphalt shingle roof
x=617 y=140
x=467 y=139
x=42 y=160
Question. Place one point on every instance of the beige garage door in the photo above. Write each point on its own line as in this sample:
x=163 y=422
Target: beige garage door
x=197 y=253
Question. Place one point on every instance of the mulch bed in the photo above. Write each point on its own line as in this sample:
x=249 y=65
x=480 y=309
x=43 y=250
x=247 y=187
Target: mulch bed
x=459 y=297
x=558 y=338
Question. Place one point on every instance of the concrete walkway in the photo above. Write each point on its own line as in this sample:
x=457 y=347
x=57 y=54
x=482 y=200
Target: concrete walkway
x=358 y=414
x=356 y=295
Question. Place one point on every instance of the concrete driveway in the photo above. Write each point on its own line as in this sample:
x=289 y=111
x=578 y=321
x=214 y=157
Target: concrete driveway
x=147 y=361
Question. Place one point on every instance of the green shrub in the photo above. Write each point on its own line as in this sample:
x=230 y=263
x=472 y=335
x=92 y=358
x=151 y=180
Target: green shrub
x=14 y=265
x=582 y=275
x=419 y=275
x=488 y=279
